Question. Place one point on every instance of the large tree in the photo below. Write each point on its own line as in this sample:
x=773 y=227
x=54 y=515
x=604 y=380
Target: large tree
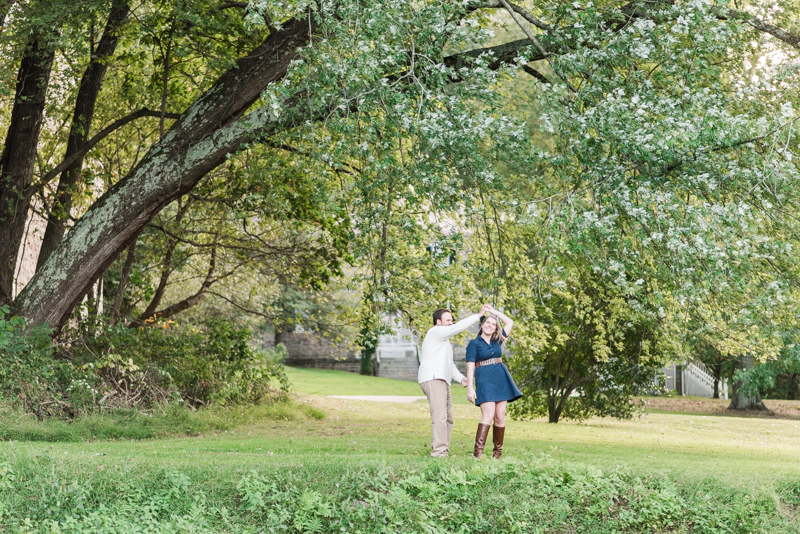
x=348 y=65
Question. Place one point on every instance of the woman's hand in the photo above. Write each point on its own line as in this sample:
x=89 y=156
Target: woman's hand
x=471 y=395
x=507 y=321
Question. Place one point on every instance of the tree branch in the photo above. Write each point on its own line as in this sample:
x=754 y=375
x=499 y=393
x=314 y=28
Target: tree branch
x=188 y=302
x=524 y=13
x=270 y=317
x=503 y=54
x=166 y=268
x=536 y=74
x=105 y=132
x=536 y=43
x=351 y=170
x=789 y=38
x=228 y=5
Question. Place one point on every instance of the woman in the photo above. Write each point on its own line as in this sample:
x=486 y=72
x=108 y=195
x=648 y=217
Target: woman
x=495 y=386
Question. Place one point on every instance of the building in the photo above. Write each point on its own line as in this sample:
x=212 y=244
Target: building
x=691 y=379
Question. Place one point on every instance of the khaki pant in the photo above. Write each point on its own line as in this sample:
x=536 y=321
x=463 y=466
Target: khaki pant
x=438 y=393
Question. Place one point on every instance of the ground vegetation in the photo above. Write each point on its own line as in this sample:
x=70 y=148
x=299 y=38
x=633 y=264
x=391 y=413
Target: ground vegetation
x=663 y=473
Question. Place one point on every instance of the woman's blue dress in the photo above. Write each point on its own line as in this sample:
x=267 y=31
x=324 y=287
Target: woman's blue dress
x=493 y=383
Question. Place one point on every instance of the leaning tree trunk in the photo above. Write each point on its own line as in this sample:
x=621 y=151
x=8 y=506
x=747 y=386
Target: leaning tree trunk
x=739 y=400
x=199 y=141
x=19 y=156
x=88 y=89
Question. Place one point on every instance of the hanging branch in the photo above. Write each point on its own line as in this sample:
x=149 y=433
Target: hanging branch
x=536 y=43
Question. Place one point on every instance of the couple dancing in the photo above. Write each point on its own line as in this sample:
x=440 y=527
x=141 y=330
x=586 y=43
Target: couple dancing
x=495 y=387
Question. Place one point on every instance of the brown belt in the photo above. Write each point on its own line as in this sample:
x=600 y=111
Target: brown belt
x=488 y=362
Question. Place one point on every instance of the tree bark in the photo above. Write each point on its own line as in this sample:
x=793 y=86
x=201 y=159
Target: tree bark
x=716 y=370
x=553 y=413
x=739 y=400
x=123 y=282
x=19 y=155
x=88 y=89
x=556 y=405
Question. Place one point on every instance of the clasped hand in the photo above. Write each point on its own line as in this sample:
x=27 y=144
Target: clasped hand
x=470 y=391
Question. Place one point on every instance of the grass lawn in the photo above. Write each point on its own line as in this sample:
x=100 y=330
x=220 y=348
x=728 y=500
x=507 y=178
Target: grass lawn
x=739 y=451
x=325 y=382
x=689 y=443
x=728 y=454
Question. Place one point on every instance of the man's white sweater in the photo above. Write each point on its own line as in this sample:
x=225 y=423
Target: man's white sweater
x=436 y=353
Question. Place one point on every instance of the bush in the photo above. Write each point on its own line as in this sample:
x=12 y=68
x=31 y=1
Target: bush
x=210 y=364
x=122 y=368
x=29 y=375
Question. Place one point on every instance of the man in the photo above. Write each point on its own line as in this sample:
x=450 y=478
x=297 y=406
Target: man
x=436 y=370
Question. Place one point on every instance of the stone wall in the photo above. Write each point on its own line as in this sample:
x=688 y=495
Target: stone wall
x=309 y=350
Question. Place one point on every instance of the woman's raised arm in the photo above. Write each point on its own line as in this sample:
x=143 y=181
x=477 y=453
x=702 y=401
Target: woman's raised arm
x=508 y=322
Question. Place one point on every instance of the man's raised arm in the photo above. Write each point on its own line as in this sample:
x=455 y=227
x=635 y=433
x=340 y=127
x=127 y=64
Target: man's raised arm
x=446 y=332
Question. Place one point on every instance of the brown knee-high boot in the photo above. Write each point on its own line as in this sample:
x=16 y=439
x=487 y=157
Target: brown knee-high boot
x=480 y=439
x=497 y=436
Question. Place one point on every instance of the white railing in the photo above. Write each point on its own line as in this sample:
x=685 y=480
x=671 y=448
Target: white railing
x=695 y=380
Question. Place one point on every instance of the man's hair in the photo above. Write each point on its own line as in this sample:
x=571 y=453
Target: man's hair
x=438 y=314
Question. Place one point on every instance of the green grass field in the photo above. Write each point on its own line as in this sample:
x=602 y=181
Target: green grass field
x=727 y=460
x=324 y=382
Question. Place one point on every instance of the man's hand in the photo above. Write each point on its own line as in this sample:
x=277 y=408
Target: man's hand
x=464 y=382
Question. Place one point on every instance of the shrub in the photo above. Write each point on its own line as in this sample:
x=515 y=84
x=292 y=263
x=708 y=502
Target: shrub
x=122 y=368
x=29 y=375
x=211 y=364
